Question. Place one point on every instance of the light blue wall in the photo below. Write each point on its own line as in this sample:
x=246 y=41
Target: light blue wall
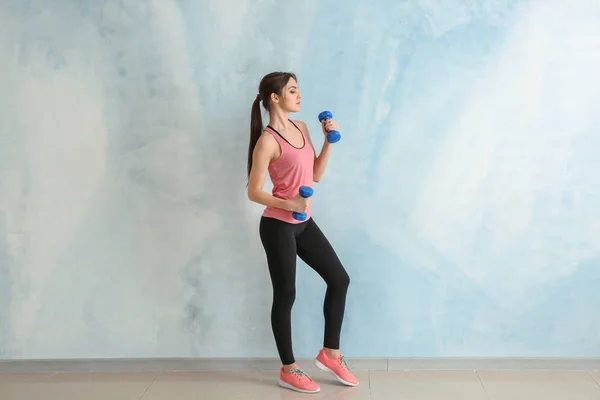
x=464 y=197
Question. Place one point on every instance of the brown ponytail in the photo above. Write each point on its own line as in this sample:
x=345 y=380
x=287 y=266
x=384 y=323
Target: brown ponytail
x=256 y=128
x=271 y=83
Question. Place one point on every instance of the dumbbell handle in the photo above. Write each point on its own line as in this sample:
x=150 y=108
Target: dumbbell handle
x=306 y=192
x=332 y=136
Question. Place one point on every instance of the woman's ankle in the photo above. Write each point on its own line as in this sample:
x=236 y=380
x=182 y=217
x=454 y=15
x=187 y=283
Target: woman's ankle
x=332 y=353
x=289 y=367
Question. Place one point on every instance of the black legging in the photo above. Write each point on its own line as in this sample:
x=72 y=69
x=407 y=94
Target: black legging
x=282 y=242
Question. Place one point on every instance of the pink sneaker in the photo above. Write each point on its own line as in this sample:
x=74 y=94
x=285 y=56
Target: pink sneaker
x=336 y=366
x=297 y=380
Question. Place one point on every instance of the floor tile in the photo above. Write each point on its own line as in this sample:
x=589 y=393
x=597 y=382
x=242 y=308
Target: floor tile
x=205 y=385
x=464 y=385
x=74 y=386
x=25 y=377
x=547 y=385
x=595 y=376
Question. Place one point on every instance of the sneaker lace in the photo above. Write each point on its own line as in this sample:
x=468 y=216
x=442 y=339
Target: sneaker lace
x=343 y=363
x=301 y=374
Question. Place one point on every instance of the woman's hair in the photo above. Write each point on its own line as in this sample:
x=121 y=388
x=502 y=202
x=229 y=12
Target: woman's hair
x=270 y=83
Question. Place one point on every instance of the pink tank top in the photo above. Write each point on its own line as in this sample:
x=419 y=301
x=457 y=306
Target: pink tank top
x=293 y=168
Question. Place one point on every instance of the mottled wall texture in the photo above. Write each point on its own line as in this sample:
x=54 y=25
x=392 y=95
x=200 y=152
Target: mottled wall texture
x=463 y=198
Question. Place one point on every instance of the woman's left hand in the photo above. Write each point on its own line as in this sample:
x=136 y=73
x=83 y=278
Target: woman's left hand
x=329 y=125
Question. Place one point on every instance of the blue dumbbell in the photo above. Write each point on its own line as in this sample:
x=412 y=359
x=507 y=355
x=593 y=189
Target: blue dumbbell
x=332 y=136
x=306 y=192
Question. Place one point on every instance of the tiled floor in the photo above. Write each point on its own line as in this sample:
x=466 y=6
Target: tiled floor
x=377 y=385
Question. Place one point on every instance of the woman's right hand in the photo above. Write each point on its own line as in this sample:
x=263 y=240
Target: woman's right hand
x=299 y=204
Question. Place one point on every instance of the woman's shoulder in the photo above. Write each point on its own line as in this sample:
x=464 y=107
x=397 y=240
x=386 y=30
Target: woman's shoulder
x=266 y=139
x=298 y=121
x=300 y=124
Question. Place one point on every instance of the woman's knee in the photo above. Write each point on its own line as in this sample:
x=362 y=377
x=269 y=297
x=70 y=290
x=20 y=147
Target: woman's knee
x=285 y=296
x=340 y=280
x=345 y=280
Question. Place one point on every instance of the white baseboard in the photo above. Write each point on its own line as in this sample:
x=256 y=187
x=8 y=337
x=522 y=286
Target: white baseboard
x=272 y=364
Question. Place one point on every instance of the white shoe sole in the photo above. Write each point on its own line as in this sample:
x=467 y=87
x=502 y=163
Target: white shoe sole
x=288 y=386
x=322 y=367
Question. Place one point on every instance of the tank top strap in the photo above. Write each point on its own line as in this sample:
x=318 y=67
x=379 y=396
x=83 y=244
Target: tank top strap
x=303 y=135
x=281 y=140
x=278 y=138
x=272 y=131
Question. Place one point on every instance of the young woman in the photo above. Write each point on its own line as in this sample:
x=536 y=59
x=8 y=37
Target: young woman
x=285 y=150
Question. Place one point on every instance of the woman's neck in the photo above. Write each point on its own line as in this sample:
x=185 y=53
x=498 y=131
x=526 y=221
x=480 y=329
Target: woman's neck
x=279 y=120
